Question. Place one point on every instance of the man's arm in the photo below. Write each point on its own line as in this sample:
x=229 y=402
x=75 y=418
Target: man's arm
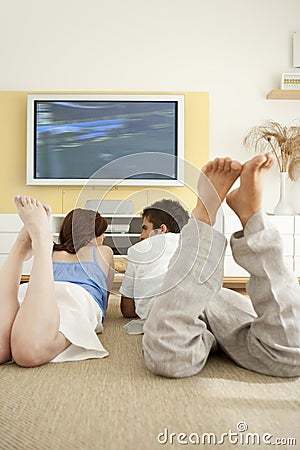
x=127 y=304
x=127 y=307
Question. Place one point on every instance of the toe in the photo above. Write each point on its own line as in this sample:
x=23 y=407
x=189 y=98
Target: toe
x=227 y=164
x=220 y=165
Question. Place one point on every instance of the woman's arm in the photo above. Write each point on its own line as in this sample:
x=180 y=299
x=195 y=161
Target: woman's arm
x=105 y=258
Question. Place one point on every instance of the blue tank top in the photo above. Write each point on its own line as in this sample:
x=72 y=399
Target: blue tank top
x=88 y=275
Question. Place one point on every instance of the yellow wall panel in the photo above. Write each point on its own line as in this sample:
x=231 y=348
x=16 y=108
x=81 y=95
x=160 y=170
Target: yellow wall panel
x=63 y=198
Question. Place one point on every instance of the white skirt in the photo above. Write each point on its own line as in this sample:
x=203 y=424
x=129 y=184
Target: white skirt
x=80 y=321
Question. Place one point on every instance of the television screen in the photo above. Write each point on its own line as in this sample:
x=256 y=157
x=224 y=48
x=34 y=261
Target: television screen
x=101 y=139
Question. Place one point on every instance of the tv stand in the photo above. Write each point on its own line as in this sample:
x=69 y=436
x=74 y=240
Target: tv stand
x=124 y=231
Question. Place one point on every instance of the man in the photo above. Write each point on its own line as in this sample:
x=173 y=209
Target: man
x=148 y=260
x=193 y=313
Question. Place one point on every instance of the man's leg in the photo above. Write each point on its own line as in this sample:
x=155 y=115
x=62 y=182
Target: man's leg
x=176 y=342
x=35 y=338
x=270 y=342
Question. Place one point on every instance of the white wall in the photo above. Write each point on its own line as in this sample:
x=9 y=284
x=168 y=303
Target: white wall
x=235 y=50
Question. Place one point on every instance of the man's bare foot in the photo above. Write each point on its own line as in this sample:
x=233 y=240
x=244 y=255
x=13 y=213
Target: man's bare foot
x=35 y=217
x=247 y=199
x=215 y=180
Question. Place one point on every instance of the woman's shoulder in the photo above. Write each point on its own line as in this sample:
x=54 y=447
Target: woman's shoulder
x=104 y=256
x=63 y=256
x=105 y=248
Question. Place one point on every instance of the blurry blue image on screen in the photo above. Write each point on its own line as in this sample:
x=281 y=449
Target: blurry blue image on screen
x=74 y=139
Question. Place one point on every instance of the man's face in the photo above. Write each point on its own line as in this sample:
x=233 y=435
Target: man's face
x=147 y=227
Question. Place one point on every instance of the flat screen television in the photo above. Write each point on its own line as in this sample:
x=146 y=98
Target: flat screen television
x=105 y=139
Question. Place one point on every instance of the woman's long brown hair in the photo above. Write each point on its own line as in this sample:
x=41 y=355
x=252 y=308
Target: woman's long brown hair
x=79 y=227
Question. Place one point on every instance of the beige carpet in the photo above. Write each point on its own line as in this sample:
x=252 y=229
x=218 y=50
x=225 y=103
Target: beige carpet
x=115 y=403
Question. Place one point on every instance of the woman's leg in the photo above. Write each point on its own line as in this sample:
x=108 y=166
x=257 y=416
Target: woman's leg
x=176 y=342
x=10 y=281
x=35 y=338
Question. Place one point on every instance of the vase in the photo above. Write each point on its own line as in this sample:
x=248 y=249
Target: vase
x=283 y=208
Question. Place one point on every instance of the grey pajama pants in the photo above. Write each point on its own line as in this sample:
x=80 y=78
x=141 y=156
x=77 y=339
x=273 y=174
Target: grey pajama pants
x=193 y=313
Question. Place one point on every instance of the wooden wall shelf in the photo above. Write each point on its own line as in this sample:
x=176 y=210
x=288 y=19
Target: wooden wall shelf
x=283 y=94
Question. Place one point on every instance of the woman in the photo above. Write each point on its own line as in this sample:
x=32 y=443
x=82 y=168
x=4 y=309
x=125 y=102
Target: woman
x=55 y=317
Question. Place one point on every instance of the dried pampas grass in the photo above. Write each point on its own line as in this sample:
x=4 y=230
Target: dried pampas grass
x=283 y=141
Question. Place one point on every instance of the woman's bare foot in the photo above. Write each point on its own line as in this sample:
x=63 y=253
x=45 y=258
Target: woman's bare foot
x=247 y=199
x=215 y=180
x=35 y=217
x=23 y=245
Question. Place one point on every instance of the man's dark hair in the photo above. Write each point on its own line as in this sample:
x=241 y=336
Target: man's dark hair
x=168 y=212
